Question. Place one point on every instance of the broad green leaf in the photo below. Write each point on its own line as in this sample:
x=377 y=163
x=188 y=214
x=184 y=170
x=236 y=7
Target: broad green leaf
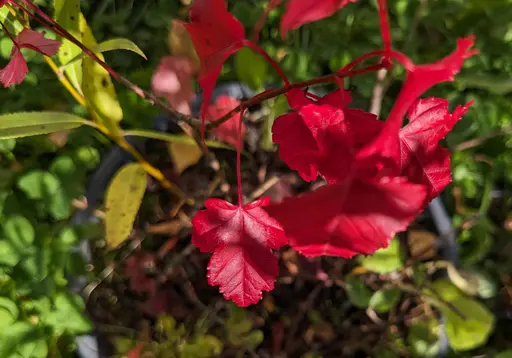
x=123 y=199
x=251 y=68
x=384 y=300
x=67 y=315
x=472 y=330
x=7 y=145
x=384 y=260
x=67 y=15
x=37 y=348
x=15 y=337
x=8 y=312
x=110 y=45
x=498 y=85
x=23 y=124
x=19 y=232
x=358 y=293
x=99 y=92
x=181 y=138
x=423 y=338
x=8 y=255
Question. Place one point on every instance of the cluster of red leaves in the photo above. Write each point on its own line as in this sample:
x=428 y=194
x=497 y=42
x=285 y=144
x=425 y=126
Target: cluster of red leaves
x=379 y=175
x=14 y=72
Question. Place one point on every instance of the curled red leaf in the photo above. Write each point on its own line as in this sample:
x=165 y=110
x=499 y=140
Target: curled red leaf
x=421 y=157
x=242 y=239
x=300 y=12
x=356 y=216
x=419 y=78
x=16 y=69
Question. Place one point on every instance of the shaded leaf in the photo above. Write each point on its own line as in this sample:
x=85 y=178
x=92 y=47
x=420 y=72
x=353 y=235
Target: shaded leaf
x=384 y=260
x=184 y=155
x=358 y=293
x=384 y=300
x=251 y=68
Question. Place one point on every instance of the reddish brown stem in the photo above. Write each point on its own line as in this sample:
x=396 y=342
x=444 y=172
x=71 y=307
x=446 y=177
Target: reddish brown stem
x=274 y=93
x=150 y=97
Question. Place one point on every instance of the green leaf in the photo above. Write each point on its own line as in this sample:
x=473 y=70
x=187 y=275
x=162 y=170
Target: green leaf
x=423 y=338
x=251 y=68
x=8 y=312
x=67 y=315
x=67 y=15
x=472 y=330
x=504 y=354
x=384 y=300
x=7 y=145
x=181 y=138
x=19 y=232
x=99 y=92
x=15 y=337
x=123 y=199
x=278 y=107
x=111 y=45
x=358 y=293
x=384 y=260
x=23 y=124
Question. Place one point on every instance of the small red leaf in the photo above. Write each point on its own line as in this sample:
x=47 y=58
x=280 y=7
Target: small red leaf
x=216 y=35
x=421 y=157
x=227 y=131
x=136 y=352
x=16 y=69
x=241 y=239
x=300 y=12
x=419 y=79
x=357 y=216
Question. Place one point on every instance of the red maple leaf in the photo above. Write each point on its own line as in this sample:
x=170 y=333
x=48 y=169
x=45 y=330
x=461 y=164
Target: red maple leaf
x=216 y=35
x=242 y=239
x=16 y=69
x=300 y=12
x=421 y=157
x=356 y=216
x=227 y=131
x=320 y=137
x=419 y=78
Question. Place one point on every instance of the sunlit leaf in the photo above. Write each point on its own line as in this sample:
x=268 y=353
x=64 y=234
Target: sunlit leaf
x=23 y=124
x=123 y=199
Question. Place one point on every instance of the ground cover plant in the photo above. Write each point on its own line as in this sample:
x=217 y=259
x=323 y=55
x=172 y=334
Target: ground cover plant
x=297 y=186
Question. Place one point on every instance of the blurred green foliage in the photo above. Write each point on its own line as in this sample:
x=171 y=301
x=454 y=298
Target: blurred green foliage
x=40 y=176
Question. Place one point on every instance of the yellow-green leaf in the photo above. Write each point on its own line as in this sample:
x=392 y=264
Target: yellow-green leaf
x=24 y=124
x=67 y=15
x=251 y=68
x=123 y=199
x=184 y=155
x=99 y=92
x=467 y=332
x=110 y=45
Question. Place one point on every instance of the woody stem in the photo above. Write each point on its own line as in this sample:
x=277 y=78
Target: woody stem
x=263 y=96
x=150 y=97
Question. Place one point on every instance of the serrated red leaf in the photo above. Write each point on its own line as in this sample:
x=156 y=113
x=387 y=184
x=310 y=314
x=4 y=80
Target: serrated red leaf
x=242 y=239
x=16 y=69
x=419 y=79
x=421 y=156
x=321 y=136
x=216 y=35
x=300 y=12
x=227 y=131
x=356 y=216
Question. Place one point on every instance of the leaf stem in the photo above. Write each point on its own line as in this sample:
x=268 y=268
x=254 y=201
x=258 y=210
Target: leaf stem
x=384 y=25
x=274 y=93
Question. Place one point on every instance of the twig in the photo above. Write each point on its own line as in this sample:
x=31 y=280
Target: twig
x=477 y=141
x=269 y=183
